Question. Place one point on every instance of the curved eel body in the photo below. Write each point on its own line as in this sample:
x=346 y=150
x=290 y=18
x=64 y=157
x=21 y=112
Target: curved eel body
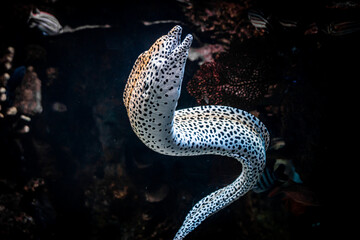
x=151 y=95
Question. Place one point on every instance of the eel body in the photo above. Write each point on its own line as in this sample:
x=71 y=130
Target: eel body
x=150 y=97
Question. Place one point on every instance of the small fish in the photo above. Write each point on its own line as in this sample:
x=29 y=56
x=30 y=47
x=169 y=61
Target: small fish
x=45 y=22
x=289 y=169
x=288 y=23
x=50 y=26
x=313 y=28
x=270 y=178
x=342 y=28
x=258 y=19
x=280 y=174
x=277 y=143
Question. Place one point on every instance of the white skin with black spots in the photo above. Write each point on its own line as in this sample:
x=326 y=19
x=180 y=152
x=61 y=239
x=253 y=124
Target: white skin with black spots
x=151 y=95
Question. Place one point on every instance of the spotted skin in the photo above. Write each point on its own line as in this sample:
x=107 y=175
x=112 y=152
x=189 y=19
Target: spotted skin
x=150 y=97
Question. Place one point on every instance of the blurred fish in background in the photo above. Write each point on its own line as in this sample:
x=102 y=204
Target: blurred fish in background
x=282 y=173
x=269 y=179
x=45 y=22
x=50 y=26
x=279 y=174
x=333 y=27
x=340 y=28
x=259 y=20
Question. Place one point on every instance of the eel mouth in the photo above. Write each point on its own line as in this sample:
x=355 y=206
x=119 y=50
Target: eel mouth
x=177 y=46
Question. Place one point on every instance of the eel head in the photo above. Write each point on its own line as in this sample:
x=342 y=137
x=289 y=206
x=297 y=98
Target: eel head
x=158 y=72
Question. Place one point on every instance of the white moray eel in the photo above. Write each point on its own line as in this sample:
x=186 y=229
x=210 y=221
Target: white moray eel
x=151 y=95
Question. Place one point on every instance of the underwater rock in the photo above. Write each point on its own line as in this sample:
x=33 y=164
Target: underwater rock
x=11 y=111
x=21 y=97
x=8 y=84
x=121 y=193
x=36 y=55
x=4 y=78
x=52 y=74
x=2 y=94
x=28 y=94
x=58 y=107
x=157 y=195
x=7 y=58
x=15 y=221
x=297 y=198
x=107 y=117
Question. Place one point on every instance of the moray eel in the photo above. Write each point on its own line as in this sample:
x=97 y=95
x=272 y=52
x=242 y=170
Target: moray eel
x=150 y=97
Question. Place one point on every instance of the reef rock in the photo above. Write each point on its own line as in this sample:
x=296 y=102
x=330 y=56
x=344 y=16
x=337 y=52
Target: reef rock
x=28 y=94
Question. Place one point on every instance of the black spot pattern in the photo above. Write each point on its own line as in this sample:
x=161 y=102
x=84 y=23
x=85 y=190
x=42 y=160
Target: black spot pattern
x=151 y=95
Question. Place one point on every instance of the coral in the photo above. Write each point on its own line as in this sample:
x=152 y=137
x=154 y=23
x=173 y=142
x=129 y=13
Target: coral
x=15 y=223
x=26 y=211
x=221 y=21
x=6 y=58
x=20 y=93
x=231 y=80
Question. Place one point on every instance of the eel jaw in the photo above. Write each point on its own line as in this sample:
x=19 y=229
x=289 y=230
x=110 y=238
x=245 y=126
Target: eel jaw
x=180 y=48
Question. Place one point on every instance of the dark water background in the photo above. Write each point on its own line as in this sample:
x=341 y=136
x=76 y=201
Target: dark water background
x=97 y=179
